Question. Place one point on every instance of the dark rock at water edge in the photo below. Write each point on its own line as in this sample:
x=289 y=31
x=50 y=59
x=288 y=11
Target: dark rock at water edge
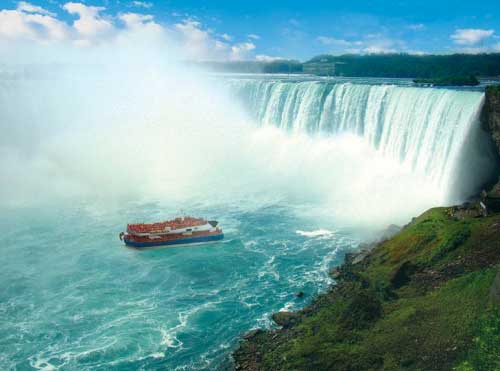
x=285 y=319
x=251 y=334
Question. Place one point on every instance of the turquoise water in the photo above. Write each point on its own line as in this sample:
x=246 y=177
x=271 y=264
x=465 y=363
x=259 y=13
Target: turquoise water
x=74 y=298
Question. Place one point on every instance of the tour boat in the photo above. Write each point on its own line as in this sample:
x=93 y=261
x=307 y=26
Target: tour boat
x=179 y=231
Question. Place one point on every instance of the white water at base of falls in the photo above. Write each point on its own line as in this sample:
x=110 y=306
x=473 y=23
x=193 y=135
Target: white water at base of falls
x=427 y=130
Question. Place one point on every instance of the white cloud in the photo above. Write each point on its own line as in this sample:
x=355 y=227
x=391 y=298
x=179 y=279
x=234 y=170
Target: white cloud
x=33 y=23
x=470 y=36
x=241 y=50
x=416 y=26
x=90 y=23
x=378 y=49
x=200 y=43
x=142 y=4
x=23 y=6
x=267 y=58
x=417 y=52
x=134 y=20
x=221 y=46
x=474 y=49
x=253 y=36
x=197 y=41
x=383 y=45
x=325 y=40
x=371 y=44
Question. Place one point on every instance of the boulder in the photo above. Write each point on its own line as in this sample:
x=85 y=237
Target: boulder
x=335 y=273
x=285 y=319
x=253 y=333
x=467 y=210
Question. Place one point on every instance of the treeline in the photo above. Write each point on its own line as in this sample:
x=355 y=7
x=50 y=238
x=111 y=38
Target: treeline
x=375 y=65
x=420 y=66
x=449 y=81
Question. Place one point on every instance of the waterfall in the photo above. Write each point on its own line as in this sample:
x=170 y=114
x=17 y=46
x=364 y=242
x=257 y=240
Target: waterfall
x=426 y=129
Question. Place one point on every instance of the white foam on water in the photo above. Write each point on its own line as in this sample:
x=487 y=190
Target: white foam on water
x=168 y=338
x=287 y=307
x=316 y=233
x=269 y=269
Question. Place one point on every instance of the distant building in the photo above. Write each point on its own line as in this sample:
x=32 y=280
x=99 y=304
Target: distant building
x=323 y=67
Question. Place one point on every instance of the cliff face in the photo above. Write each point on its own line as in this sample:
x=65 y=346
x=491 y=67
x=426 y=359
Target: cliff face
x=490 y=119
x=490 y=116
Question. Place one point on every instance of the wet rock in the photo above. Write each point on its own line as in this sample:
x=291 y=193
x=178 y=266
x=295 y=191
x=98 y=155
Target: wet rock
x=299 y=294
x=494 y=192
x=349 y=257
x=467 y=210
x=253 y=333
x=359 y=257
x=490 y=114
x=285 y=319
x=335 y=273
x=492 y=198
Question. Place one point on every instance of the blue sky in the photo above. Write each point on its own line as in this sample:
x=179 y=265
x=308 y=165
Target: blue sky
x=264 y=30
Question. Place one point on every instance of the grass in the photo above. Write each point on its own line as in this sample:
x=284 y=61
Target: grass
x=420 y=301
x=429 y=332
x=484 y=354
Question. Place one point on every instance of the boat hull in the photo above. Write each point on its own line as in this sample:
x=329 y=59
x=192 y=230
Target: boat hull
x=195 y=240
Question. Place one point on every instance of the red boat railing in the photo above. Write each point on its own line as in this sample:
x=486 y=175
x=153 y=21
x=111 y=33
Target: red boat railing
x=176 y=223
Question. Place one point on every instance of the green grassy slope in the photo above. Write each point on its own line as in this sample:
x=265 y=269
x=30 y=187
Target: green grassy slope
x=419 y=301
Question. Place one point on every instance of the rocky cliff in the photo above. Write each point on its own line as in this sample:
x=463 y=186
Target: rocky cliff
x=490 y=115
x=490 y=119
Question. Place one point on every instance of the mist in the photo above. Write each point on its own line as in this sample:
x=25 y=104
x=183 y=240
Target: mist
x=128 y=121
